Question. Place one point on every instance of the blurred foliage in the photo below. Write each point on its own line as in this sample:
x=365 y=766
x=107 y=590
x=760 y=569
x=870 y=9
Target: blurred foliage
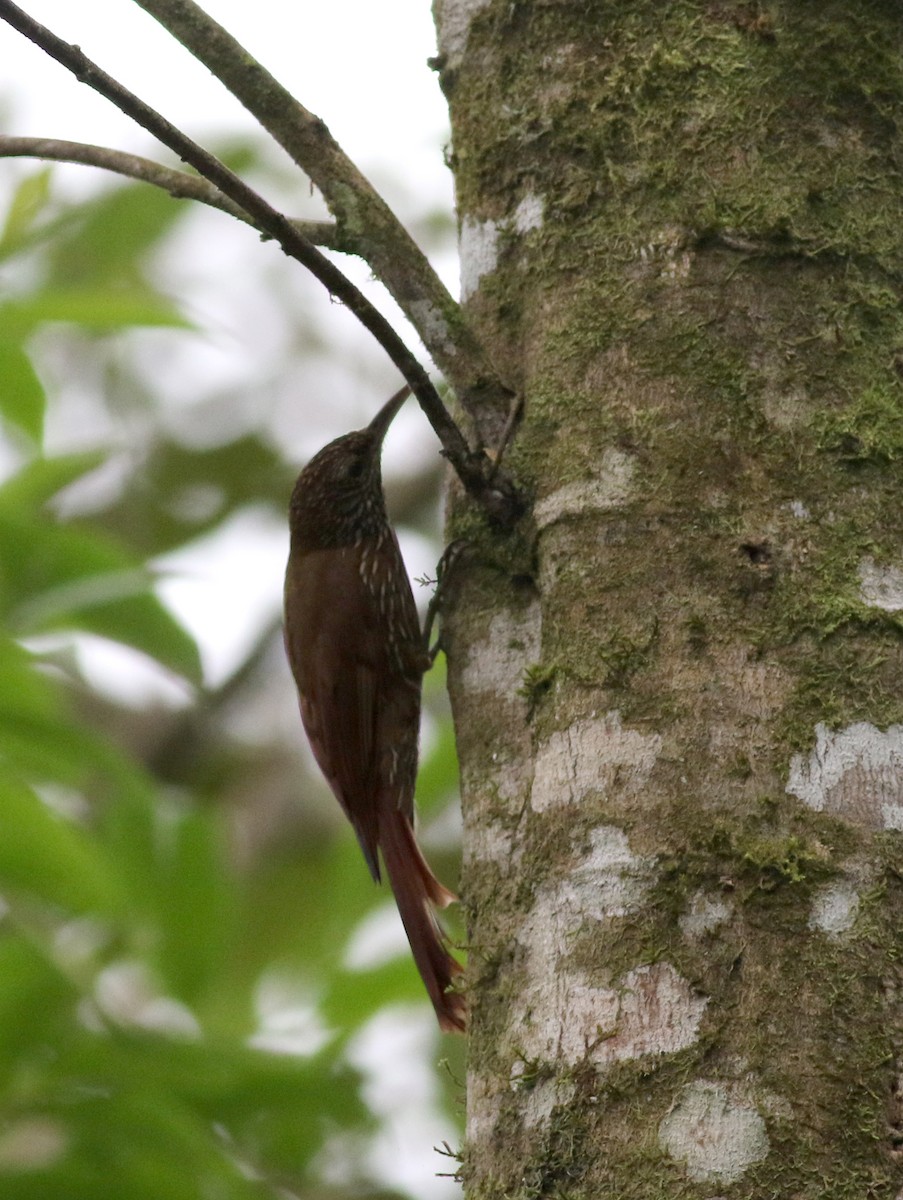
x=137 y=946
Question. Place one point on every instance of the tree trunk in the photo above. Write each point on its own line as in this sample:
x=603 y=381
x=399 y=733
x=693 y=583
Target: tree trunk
x=678 y=687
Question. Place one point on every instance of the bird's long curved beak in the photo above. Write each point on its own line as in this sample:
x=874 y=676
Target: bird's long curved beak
x=384 y=418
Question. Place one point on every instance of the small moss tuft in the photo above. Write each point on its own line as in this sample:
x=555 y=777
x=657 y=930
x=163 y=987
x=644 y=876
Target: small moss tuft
x=538 y=680
x=870 y=430
x=782 y=860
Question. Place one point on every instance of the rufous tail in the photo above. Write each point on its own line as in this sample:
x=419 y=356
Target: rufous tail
x=416 y=890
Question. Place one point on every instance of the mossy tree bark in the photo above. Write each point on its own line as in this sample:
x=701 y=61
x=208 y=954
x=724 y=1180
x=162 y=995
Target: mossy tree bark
x=678 y=687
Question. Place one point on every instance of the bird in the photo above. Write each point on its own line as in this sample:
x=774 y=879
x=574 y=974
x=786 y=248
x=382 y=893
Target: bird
x=357 y=654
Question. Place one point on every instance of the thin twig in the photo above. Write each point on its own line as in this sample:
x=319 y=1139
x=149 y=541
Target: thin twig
x=474 y=468
x=515 y=412
x=364 y=219
x=179 y=184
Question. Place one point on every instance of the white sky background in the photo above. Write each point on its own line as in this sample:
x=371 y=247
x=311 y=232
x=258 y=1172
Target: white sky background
x=361 y=66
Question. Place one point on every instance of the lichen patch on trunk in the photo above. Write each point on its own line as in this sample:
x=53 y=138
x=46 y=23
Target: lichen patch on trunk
x=650 y=1010
x=609 y=881
x=591 y=756
x=704 y=913
x=609 y=488
x=478 y=246
x=715 y=1134
x=496 y=663
x=433 y=323
x=854 y=773
x=834 y=908
x=529 y=212
x=880 y=586
x=453 y=18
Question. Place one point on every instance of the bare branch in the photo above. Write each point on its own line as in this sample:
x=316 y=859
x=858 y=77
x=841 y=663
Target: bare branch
x=179 y=184
x=364 y=219
x=491 y=489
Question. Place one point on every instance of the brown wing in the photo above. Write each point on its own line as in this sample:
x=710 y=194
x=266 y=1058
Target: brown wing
x=398 y=719
x=336 y=651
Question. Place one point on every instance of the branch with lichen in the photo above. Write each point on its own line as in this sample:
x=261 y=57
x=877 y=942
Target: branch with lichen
x=479 y=475
x=179 y=184
x=365 y=222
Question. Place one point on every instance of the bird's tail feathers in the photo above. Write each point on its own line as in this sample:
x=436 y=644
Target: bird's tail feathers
x=416 y=890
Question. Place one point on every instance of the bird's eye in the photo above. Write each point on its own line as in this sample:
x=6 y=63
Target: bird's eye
x=356 y=469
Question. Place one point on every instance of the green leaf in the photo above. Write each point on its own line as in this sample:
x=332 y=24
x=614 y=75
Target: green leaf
x=355 y=997
x=35 y=738
x=48 y=748
x=42 y=743
x=27 y=204
x=145 y=624
x=43 y=855
x=35 y=1000
x=22 y=399
x=61 y=576
x=195 y=902
x=39 y=742
x=183 y=492
x=41 y=478
x=154 y=1148
x=327 y=877
x=48 y=571
x=114 y=233
x=23 y=688
x=273 y=1105
x=133 y=1146
x=96 y=307
x=140 y=621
